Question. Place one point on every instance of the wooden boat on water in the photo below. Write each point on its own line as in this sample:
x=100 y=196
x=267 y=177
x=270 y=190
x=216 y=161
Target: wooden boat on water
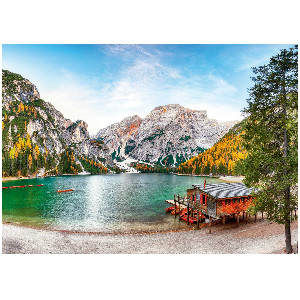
x=40 y=185
x=171 y=208
x=192 y=220
x=21 y=186
x=30 y=185
x=184 y=218
x=5 y=187
x=13 y=187
x=63 y=191
x=175 y=211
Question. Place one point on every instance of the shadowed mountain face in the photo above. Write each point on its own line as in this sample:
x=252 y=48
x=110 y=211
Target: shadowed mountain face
x=169 y=135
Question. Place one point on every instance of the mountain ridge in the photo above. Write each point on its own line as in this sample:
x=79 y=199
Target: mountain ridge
x=168 y=135
x=35 y=135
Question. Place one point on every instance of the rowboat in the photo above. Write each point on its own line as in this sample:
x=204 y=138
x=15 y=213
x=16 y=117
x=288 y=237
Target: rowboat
x=21 y=186
x=13 y=187
x=184 y=218
x=5 y=187
x=169 y=209
x=175 y=211
x=192 y=220
x=30 y=185
x=63 y=191
x=40 y=185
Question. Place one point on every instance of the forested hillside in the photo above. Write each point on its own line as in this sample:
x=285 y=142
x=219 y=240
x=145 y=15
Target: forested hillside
x=225 y=157
x=37 y=139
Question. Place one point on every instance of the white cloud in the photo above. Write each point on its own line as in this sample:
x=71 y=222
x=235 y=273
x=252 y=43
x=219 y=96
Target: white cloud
x=127 y=51
x=75 y=100
x=140 y=90
x=143 y=84
x=221 y=113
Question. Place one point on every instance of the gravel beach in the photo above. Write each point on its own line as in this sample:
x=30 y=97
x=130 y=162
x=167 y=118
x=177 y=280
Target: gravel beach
x=252 y=238
x=238 y=179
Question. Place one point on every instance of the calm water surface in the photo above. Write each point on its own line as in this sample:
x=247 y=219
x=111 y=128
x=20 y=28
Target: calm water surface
x=99 y=203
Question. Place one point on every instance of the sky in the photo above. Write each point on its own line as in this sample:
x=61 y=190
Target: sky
x=102 y=84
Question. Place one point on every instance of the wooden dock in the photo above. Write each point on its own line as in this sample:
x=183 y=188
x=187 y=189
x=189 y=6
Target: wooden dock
x=191 y=206
x=173 y=203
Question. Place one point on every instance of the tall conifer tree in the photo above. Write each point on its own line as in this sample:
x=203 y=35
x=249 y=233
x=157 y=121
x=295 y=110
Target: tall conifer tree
x=271 y=138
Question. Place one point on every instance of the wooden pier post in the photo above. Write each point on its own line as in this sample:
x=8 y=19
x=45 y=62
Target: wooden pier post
x=210 y=221
x=188 y=213
x=175 y=207
x=243 y=215
x=198 y=219
x=255 y=217
x=238 y=219
x=223 y=222
x=246 y=218
x=262 y=215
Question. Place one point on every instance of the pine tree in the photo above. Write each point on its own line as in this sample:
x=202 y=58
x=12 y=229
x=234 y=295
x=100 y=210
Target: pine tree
x=271 y=138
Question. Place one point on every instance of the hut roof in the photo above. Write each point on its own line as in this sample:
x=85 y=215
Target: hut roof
x=225 y=190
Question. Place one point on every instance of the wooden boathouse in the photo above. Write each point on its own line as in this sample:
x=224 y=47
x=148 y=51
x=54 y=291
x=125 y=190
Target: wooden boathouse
x=211 y=202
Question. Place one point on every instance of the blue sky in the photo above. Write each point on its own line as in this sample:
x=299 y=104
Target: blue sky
x=102 y=84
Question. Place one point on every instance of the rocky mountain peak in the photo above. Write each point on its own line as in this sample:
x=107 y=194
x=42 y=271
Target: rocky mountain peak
x=170 y=112
x=26 y=116
x=124 y=128
x=16 y=87
x=119 y=134
x=169 y=134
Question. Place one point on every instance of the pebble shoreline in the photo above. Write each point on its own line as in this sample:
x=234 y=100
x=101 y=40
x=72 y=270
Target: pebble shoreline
x=17 y=239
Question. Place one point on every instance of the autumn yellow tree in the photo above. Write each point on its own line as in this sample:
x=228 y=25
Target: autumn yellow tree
x=36 y=151
x=29 y=161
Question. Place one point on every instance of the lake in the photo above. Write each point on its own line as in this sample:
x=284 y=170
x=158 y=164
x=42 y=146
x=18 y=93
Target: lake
x=99 y=203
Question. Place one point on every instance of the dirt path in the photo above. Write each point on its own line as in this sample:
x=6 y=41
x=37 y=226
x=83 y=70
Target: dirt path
x=259 y=237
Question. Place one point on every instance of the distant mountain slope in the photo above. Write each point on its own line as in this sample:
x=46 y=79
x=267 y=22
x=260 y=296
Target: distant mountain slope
x=169 y=135
x=36 y=136
x=225 y=157
x=118 y=137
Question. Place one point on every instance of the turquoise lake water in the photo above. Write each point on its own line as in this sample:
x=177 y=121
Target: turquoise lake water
x=99 y=203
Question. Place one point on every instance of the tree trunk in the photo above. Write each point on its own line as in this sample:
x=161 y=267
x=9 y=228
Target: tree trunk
x=288 y=236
